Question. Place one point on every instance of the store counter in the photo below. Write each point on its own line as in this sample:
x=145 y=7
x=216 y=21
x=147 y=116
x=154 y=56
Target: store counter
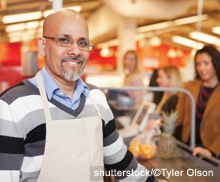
x=182 y=167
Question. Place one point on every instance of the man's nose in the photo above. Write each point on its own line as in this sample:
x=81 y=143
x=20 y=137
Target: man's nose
x=74 y=49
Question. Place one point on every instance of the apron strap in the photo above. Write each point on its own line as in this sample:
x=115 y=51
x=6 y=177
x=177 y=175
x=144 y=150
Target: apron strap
x=90 y=97
x=43 y=97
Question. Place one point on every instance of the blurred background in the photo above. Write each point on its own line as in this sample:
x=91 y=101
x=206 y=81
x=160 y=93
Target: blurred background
x=163 y=32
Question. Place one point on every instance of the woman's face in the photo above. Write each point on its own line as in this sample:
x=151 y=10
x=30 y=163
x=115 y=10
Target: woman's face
x=130 y=62
x=163 y=80
x=205 y=67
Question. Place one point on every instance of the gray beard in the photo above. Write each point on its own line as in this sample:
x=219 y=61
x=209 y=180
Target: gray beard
x=73 y=76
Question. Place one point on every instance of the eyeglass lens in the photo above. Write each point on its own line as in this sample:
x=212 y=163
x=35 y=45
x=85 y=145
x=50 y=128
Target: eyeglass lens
x=82 y=44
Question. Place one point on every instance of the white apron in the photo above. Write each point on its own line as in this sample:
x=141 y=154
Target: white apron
x=72 y=145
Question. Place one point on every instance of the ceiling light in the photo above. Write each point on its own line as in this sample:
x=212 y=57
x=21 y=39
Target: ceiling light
x=22 y=26
x=171 y=53
x=111 y=43
x=15 y=39
x=33 y=24
x=30 y=32
x=217 y=43
x=104 y=52
x=192 y=19
x=139 y=36
x=203 y=37
x=216 y=30
x=155 y=41
x=15 y=34
x=46 y=13
x=76 y=8
x=154 y=26
x=168 y=24
x=21 y=17
x=16 y=27
x=25 y=38
x=187 y=42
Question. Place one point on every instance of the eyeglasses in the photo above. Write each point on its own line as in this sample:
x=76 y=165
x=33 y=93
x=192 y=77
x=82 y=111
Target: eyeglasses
x=67 y=42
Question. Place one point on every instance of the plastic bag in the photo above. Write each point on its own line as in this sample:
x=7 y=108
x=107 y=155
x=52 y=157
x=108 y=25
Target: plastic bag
x=142 y=146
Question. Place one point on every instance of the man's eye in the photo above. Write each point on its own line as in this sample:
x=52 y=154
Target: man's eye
x=83 y=43
x=63 y=40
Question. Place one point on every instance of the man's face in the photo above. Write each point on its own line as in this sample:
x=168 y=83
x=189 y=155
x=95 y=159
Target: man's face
x=66 y=62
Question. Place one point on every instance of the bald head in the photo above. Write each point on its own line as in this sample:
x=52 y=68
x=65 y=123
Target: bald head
x=55 y=20
x=64 y=62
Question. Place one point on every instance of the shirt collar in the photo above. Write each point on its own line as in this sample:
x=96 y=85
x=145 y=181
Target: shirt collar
x=82 y=87
x=51 y=86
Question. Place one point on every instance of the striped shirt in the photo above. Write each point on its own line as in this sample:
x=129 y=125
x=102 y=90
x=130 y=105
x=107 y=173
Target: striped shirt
x=23 y=132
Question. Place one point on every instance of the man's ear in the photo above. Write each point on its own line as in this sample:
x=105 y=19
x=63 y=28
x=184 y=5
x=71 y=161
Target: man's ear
x=41 y=46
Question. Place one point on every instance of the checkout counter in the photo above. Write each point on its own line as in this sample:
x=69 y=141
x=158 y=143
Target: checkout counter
x=183 y=166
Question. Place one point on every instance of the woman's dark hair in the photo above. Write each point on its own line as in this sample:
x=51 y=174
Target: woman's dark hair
x=214 y=54
x=153 y=83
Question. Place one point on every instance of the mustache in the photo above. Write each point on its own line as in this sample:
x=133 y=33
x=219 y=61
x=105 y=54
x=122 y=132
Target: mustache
x=73 y=58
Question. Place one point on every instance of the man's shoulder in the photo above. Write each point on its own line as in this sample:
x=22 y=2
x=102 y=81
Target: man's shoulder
x=96 y=93
x=23 y=88
x=91 y=86
x=12 y=90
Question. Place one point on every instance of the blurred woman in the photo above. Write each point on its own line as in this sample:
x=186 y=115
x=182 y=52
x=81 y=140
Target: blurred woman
x=133 y=76
x=168 y=76
x=205 y=89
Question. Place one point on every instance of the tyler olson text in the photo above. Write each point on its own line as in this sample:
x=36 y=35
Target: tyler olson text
x=189 y=172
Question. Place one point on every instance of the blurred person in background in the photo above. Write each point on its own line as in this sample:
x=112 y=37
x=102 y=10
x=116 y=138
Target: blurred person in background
x=205 y=89
x=133 y=76
x=168 y=76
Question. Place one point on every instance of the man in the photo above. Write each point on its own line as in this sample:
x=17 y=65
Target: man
x=54 y=127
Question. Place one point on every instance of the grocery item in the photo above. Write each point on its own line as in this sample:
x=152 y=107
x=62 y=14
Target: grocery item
x=142 y=146
x=167 y=142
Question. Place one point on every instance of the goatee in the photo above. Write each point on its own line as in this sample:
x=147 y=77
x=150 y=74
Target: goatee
x=73 y=75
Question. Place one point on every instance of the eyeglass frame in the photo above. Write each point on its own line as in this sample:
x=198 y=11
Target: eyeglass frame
x=71 y=41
